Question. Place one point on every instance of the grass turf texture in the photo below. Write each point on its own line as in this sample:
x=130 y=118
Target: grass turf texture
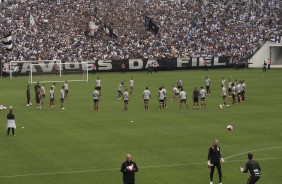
x=79 y=139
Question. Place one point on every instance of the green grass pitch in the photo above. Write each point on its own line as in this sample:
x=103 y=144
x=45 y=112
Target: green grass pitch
x=78 y=145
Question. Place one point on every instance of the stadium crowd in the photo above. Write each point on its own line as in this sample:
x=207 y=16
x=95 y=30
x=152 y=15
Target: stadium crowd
x=187 y=28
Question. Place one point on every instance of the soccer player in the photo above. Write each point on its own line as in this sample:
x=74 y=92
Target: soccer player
x=131 y=83
x=203 y=96
x=215 y=160
x=123 y=68
x=183 y=98
x=229 y=88
x=98 y=85
x=120 y=87
x=264 y=66
x=146 y=97
x=206 y=66
x=195 y=97
x=161 y=97
x=62 y=97
x=175 y=93
x=52 y=99
x=54 y=86
x=125 y=99
x=94 y=68
x=179 y=84
x=268 y=64
x=128 y=168
x=66 y=88
x=254 y=169
x=164 y=92
x=11 y=123
x=38 y=98
x=223 y=82
x=28 y=96
x=96 y=97
x=208 y=85
x=43 y=91
x=223 y=93
x=233 y=91
x=238 y=90
x=243 y=92
x=36 y=87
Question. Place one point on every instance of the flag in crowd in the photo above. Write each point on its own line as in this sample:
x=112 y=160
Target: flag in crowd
x=109 y=30
x=32 y=23
x=150 y=25
x=8 y=42
x=93 y=26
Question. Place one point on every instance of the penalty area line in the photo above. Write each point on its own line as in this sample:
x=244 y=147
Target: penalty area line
x=116 y=169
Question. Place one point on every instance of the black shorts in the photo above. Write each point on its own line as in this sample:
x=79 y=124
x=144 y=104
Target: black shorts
x=96 y=101
x=66 y=91
x=183 y=101
x=196 y=99
x=233 y=96
x=229 y=90
x=179 y=86
x=253 y=179
x=203 y=99
x=37 y=100
x=98 y=88
x=176 y=94
x=223 y=97
x=51 y=99
x=146 y=101
x=62 y=100
x=43 y=95
x=161 y=101
x=125 y=101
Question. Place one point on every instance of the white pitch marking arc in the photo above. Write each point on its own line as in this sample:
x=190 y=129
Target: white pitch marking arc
x=145 y=167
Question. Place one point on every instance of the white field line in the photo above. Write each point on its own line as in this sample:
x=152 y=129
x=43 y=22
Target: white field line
x=144 y=167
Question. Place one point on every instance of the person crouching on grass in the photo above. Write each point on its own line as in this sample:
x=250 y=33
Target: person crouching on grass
x=11 y=124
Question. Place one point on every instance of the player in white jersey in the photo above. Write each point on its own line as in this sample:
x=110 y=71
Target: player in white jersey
x=125 y=99
x=230 y=88
x=52 y=100
x=146 y=97
x=234 y=94
x=54 y=86
x=243 y=93
x=66 y=88
x=62 y=97
x=120 y=87
x=223 y=82
x=175 y=93
x=98 y=85
x=43 y=94
x=223 y=93
x=183 y=98
x=96 y=97
x=161 y=98
x=238 y=91
x=208 y=85
x=203 y=94
x=179 y=84
x=131 y=83
x=164 y=92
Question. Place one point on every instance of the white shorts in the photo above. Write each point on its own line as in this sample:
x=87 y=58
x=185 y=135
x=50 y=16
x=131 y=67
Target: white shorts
x=11 y=123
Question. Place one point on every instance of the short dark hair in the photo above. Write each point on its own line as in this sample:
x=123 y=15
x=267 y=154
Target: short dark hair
x=250 y=156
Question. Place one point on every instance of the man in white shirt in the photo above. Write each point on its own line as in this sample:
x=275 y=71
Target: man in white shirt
x=175 y=93
x=183 y=98
x=223 y=93
x=52 y=97
x=98 y=85
x=203 y=96
x=146 y=97
x=120 y=87
x=164 y=92
x=62 y=97
x=161 y=98
x=125 y=99
x=131 y=83
x=66 y=88
x=208 y=85
x=96 y=97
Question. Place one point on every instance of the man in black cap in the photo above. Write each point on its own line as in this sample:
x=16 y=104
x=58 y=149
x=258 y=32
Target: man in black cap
x=128 y=168
x=254 y=169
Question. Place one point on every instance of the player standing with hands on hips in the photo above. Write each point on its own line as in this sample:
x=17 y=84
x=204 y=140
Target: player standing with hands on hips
x=254 y=169
x=128 y=168
x=215 y=160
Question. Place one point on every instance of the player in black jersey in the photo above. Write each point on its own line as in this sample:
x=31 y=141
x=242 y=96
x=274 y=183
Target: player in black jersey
x=254 y=169
x=215 y=160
